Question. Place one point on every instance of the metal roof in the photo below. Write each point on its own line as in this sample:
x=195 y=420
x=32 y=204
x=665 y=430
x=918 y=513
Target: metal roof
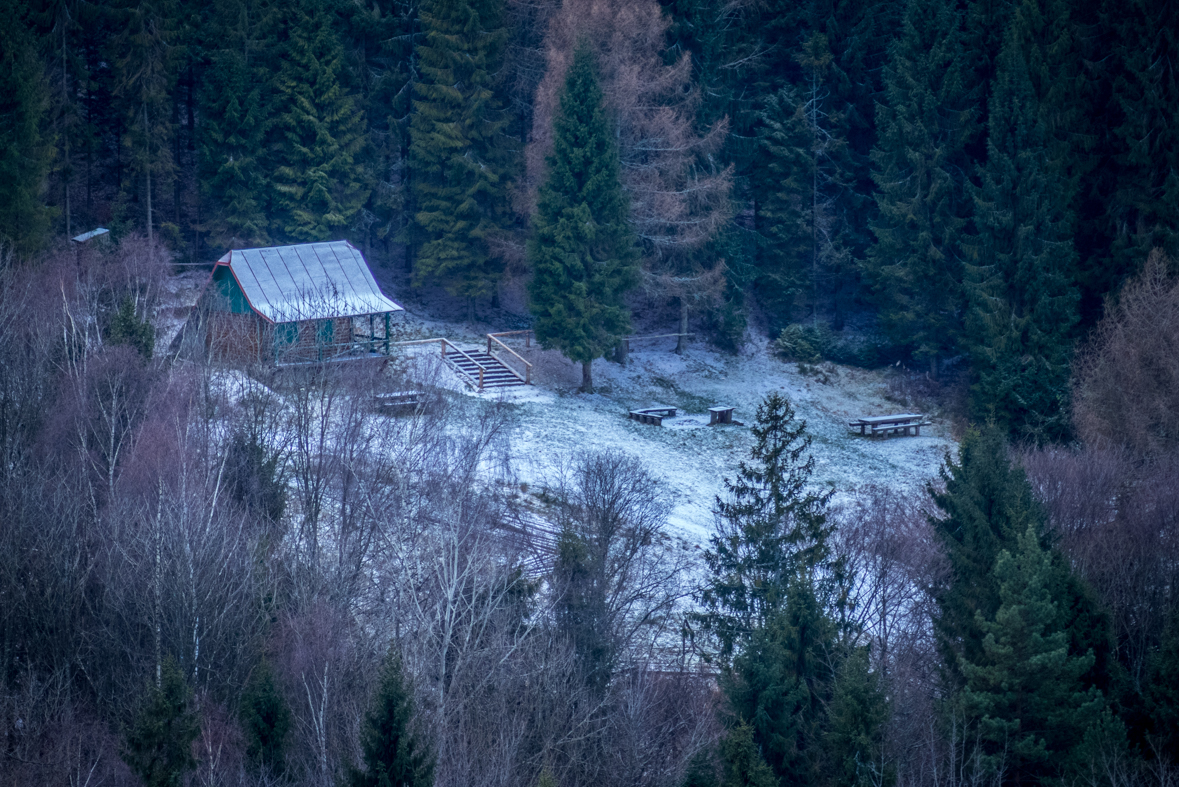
x=85 y=236
x=311 y=281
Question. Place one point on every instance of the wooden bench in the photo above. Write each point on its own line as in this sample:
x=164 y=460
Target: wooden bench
x=721 y=415
x=900 y=423
x=652 y=415
x=399 y=401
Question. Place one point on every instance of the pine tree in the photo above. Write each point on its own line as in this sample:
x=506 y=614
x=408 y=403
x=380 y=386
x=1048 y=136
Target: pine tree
x=318 y=131
x=158 y=746
x=1025 y=686
x=1023 y=304
x=395 y=755
x=26 y=150
x=582 y=250
x=265 y=720
x=456 y=150
x=770 y=529
x=920 y=163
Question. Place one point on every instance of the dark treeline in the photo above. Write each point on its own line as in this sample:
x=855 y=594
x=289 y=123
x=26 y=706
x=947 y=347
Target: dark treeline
x=216 y=577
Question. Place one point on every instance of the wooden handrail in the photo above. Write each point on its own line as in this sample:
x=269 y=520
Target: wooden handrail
x=659 y=336
x=527 y=337
x=443 y=341
x=527 y=376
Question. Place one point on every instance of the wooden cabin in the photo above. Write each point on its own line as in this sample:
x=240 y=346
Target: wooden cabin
x=300 y=304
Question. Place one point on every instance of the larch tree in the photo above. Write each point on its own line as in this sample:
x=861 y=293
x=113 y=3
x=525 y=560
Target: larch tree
x=582 y=251
x=920 y=167
x=457 y=153
x=317 y=133
x=678 y=189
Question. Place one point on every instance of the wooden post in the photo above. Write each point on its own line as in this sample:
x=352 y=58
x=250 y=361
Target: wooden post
x=386 y=333
x=489 y=344
x=480 y=378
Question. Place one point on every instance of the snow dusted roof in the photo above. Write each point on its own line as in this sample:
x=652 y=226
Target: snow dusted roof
x=311 y=281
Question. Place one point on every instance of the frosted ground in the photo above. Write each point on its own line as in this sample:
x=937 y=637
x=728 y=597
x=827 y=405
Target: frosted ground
x=551 y=421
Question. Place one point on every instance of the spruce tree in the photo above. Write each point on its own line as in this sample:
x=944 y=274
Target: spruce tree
x=1022 y=301
x=581 y=610
x=857 y=715
x=920 y=164
x=158 y=746
x=457 y=152
x=318 y=131
x=1162 y=693
x=781 y=683
x=1145 y=203
x=1025 y=687
x=26 y=150
x=582 y=249
x=986 y=504
x=395 y=755
x=234 y=119
x=265 y=720
x=145 y=56
x=771 y=527
x=805 y=167
x=742 y=760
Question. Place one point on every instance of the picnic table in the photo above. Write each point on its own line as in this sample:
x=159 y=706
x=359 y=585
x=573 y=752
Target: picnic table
x=399 y=401
x=652 y=415
x=899 y=423
x=720 y=414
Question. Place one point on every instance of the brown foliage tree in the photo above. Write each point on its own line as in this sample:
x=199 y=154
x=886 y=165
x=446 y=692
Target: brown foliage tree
x=1126 y=388
x=679 y=195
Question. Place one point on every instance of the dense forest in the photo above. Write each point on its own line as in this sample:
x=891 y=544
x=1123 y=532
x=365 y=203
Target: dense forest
x=275 y=585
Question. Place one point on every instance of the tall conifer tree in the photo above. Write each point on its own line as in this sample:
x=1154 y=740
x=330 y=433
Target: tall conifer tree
x=26 y=151
x=924 y=124
x=1025 y=687
x=1022 y=301
x=234 y=115
x=395 y=755
x=456 y=149
x=582 y=250
x=987 y=504
x=318 y=189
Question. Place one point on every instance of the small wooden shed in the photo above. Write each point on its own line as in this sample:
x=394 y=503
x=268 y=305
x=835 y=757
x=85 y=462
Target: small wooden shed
x=294 y=304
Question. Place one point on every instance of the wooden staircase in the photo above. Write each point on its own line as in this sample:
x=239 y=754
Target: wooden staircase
x=482 y=370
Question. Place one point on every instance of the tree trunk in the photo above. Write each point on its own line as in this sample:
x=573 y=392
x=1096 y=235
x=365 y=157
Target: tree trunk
x=681 y=343
x=933 y=367
x=587 y=377
x=147 y=174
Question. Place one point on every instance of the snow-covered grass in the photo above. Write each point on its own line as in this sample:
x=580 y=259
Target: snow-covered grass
x=552 y=421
